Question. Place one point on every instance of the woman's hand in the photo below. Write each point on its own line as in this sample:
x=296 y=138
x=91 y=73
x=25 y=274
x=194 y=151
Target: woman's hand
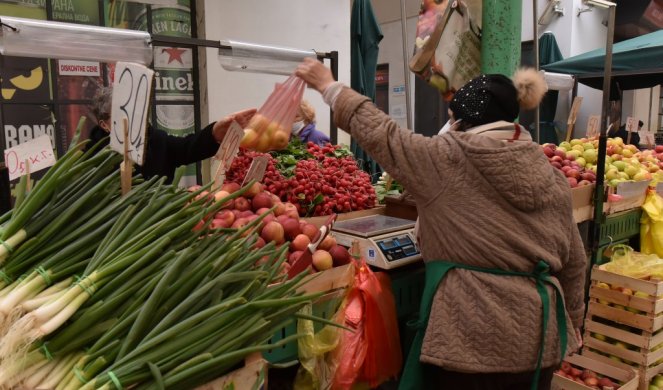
x=579 y=338
x=316 y=75
x=241 y=117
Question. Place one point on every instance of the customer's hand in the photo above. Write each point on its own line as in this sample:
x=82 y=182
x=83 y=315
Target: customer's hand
x=579 y=338
x=241 y=117
x=316 y=75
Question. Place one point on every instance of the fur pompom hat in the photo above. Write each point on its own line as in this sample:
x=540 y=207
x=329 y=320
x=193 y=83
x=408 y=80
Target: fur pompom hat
x=495 y=97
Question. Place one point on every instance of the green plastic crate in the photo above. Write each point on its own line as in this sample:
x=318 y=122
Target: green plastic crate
x=325 y=307
x=620 y=226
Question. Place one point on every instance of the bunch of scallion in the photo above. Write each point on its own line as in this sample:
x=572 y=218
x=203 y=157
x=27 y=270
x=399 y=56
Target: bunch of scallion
x=107 y=291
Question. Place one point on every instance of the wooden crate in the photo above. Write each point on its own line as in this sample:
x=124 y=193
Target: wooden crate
x=627 y=376
x=632 y=194
x=644 y=376
x=253 y=376
x=581 y=199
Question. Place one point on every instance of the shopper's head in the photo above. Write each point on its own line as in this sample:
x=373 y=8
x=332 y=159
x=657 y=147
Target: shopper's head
x=101 y=107
x=494 y=97
x=305 y=113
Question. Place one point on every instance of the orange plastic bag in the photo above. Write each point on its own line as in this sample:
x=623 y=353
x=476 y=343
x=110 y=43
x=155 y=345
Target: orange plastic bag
x=270 y=128
x=371 y=354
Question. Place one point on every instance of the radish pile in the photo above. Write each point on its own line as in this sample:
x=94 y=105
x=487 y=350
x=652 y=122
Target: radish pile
x=317 y=180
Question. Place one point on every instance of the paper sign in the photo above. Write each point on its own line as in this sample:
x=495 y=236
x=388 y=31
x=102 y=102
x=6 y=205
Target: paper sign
x=593 y=126
x=647 y=138
x=631 y=124
x=131 y=100
x=227 y=151
x=78 y=68
x=256 y=170
x=38 y=153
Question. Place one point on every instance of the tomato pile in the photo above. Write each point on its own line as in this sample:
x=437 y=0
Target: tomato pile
x=318 y=180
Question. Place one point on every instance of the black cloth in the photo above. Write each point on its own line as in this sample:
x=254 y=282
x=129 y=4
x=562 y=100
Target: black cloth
x=623 y=134
x=166 y=152
x=439 y=378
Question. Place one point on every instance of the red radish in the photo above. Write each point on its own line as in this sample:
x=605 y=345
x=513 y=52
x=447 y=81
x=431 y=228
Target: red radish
x=230 y=187
x=300 y=242
x=273 y=231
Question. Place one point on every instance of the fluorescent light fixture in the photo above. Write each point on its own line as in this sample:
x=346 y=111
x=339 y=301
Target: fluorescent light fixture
x=155 y=2
x=558 y=81
x=255 y=58
x=45 y=39
x=600 y=3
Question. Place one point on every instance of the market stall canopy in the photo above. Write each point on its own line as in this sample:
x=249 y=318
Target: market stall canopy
x=636 y=63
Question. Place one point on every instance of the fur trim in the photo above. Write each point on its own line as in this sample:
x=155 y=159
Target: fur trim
x=531 y=87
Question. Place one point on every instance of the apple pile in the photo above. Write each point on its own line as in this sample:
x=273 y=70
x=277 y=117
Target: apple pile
x=656 y=383
x=263 y=135
x=586 y=377
x=281 y=225
x=575 y=159
x=320 y=181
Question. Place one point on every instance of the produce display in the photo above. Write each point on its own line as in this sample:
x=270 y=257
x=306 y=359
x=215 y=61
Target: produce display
x=586 y=377
x=318 y=180
x=577 y=160
x=656 y=383
x=385 y=187
x=279 y=224
x=107 y=291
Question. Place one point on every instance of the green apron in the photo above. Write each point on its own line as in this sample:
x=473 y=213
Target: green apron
x=412 y=377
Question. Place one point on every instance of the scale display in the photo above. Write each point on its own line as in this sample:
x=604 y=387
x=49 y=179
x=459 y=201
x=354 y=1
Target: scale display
x=385 y=242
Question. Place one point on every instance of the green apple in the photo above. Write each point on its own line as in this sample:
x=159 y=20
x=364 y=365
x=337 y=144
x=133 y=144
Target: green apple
x=620 y=307
x=658 y=381
x=599 y=336
x=581 y=161
x=588 y=145
x=612 y=174
x=642 y=176
x=631 y=170
x=565 y=145
x=624 y=176
x=652 y=387
x=603 y=285
x=614 y=182
x=615 y=358
x=627 y=153
x=641 y=294
x=573 y=153
x=620 y=165
x=590 y=155
x=575 y=142
x=578 y=148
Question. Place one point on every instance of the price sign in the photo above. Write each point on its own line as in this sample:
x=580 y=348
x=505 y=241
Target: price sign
x=227 y=151
x=256 y=170
x=593 y=126
x=131 y=98
x=31 y=156
x=631 y=124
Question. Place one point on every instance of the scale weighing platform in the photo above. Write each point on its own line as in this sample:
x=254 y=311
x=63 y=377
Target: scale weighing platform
x=385 y=242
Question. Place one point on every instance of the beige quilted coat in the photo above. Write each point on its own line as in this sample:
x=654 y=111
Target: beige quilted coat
x=489 y=204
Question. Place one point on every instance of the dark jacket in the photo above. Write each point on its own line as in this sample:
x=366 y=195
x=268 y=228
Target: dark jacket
x=166 y=152
x=623 y=134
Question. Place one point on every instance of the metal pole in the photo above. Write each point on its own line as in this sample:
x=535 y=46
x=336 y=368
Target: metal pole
x=603 y=139
x=406 y=72
x=537 y=113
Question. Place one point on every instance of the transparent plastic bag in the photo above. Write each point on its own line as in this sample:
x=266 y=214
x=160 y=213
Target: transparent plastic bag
x=270 y=128
x=625 y=261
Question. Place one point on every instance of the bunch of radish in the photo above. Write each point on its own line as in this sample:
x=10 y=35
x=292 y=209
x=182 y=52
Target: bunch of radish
x=320 y=185
x=281 y=225
x=586 y=377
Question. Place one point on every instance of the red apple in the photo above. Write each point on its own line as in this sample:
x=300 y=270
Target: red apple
x=227 y=216
x=220 y=195
x=339 y=255
x=556 y=159
x=291 y=210
x=259 y=243
x=560 y=153
x=263 y=211
x=572 y=182
x=194 y=188
x=659 y=148
x=239 y=223
x=218 y=224
x=311 y=231
x=291 y=228
x=246 y=214
x=230 y=187
x=327 y=243
x=282 y=218
x=294 y=256
x=556 y=165
x=549 y=151
x=300 y=242
x=280 y=209
x=262 y=200
x=254 y=190
x=322 y=260
x=273 y=231
x=242 y=204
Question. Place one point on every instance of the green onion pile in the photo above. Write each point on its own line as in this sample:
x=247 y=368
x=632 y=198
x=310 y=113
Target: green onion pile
x=100 y=290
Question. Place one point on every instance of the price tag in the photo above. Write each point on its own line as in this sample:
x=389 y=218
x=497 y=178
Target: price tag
x=227 y=152
x=593 y=126
x=256 y=170
x=131 y=99
x=31 y=156
x=631 y=124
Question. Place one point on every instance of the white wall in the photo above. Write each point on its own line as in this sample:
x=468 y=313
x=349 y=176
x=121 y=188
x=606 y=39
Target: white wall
x=391 y=52
x=323 y=25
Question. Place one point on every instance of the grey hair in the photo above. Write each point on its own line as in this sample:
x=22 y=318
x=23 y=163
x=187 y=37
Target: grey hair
x=101 y=103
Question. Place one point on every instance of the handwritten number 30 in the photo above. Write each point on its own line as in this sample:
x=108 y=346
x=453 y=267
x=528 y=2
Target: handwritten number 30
x=135 y=97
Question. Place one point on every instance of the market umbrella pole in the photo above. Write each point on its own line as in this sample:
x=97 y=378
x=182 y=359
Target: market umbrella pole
x=406 y=70
x=537 y=113
x=603 y=138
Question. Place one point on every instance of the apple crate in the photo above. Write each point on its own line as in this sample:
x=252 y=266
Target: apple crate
x=643 y=375
x=612 y=298
x=631 y=196
x=627 y=377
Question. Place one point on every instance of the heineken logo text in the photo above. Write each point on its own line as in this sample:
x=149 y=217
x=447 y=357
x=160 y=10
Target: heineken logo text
x=173 y=83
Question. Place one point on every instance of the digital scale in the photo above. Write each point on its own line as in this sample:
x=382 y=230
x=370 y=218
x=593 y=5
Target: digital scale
x=385 y=242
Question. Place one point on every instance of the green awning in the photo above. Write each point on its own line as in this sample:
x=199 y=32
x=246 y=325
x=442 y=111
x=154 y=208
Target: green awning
x=636 y=63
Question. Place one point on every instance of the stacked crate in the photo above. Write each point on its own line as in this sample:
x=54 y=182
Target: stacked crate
x=624 y=323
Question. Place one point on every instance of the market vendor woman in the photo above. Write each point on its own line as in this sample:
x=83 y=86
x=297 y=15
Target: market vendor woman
x=496 y=232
